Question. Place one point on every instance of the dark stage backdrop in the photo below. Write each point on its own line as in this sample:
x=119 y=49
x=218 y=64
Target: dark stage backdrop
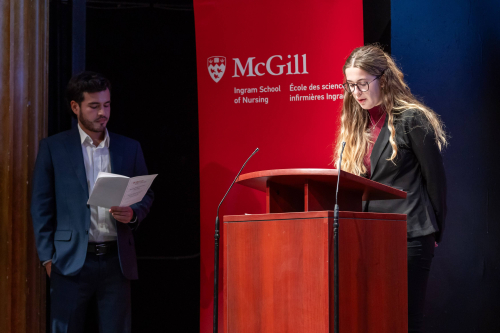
x=149 y=55
x=450 y=52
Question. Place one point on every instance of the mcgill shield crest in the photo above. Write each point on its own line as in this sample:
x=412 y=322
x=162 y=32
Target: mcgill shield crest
x=216 y=67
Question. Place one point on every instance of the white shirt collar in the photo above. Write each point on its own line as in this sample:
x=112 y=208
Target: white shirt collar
x=85 y=137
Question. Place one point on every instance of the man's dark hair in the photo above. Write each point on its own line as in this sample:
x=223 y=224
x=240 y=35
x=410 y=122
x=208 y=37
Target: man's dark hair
x=89 y=82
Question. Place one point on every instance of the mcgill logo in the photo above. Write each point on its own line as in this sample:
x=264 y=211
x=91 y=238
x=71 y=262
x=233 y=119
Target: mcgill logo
x=274 y=65
x=216 y=67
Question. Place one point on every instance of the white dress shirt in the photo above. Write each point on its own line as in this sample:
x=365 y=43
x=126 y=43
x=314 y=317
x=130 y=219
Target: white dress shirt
x=96 y=159
x=102 y=224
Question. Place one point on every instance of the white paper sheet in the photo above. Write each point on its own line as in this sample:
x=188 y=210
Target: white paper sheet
x=117 y=190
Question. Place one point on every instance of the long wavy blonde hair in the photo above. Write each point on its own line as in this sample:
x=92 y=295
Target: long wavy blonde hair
x=396 y=99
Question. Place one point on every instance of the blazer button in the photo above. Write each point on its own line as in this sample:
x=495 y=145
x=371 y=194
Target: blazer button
x=87 y=232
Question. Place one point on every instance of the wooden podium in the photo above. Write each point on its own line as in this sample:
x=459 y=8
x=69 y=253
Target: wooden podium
x=278 y=266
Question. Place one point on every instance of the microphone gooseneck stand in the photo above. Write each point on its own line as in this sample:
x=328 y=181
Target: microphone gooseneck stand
x=216 y=254
x=336 y=255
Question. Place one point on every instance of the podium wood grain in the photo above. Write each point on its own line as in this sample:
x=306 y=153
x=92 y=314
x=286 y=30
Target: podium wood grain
x=278 y=272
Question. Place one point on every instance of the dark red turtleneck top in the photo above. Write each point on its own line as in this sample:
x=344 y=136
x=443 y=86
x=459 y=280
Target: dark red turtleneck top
x=377 y=116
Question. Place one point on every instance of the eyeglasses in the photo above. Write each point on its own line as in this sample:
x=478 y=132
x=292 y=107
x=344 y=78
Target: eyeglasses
x=362 y=86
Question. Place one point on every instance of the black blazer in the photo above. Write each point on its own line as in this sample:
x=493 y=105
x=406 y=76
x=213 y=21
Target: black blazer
x=418 y=170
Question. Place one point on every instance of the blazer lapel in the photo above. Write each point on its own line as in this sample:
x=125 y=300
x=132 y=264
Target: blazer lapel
x=75 y=153
x=379 y=146
x=115 y=154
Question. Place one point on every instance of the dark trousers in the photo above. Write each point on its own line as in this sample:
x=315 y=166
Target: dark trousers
x=70 y=295
x=420 y=254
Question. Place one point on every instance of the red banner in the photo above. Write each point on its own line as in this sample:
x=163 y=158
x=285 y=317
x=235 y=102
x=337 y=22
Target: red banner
x=269 y=76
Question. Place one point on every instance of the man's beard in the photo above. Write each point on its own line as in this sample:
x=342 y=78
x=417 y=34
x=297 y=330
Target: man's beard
x=91 y=126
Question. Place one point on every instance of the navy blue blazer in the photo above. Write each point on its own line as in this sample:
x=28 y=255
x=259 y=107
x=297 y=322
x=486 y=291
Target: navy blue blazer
x=61 y=216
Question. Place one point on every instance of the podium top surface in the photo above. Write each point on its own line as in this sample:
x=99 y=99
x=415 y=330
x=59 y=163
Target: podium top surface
x=298 y=177
x=314 y=215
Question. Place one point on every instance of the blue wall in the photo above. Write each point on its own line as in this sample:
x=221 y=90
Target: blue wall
x=449 y=51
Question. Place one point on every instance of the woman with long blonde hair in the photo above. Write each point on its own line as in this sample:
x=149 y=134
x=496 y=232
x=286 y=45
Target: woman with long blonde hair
x=394 y=139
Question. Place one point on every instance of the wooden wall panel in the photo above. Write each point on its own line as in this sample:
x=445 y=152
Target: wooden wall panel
x=23 y=122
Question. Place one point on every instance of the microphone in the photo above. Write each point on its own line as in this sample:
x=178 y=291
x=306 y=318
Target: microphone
x=248 y=159
x=216 y=254
x=336 y=255
x=338 y=176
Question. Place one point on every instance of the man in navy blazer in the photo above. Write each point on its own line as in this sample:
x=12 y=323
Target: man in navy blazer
x=87 y=250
